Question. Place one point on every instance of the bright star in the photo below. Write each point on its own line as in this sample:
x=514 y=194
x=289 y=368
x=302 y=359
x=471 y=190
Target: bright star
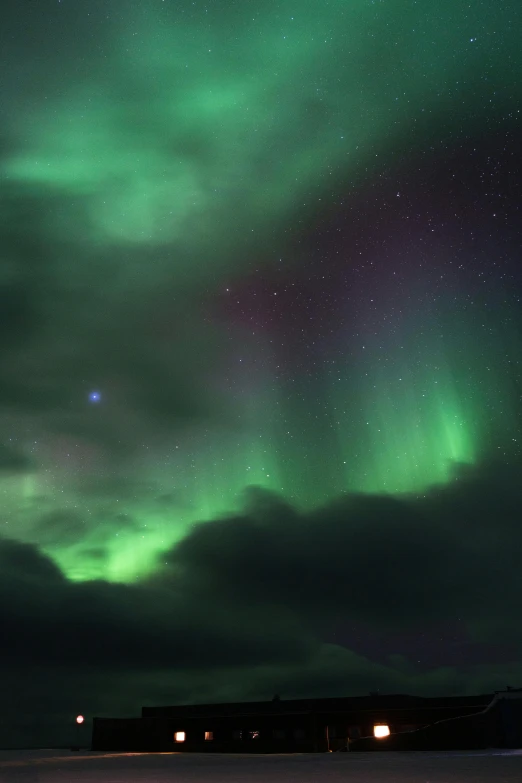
x=94 y=396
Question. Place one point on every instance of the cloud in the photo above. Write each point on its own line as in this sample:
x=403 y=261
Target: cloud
x=369 y=557
x=135 y=175
x=13 y=461
x=244 y=605
x=388 y=562
x=47 y=619
x=62 y=526
x=62 y=334
x=24 y=564
x=267 y=585
x=271 y=583
x=142 y=175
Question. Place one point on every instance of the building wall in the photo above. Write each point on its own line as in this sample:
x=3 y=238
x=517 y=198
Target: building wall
x=246 y=733
x=130 y=734
x=319 y=726
x=237 y=734
x=497 y=726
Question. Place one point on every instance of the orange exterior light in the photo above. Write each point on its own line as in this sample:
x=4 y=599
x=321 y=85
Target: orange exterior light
x=381 y=730
x=79 y=719
x=179 y=736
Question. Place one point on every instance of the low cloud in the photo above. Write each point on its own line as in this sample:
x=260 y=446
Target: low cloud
x=243 y=607
x=13 y=461
x=389 y=562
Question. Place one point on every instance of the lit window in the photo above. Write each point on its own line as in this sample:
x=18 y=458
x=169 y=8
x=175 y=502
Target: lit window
x=179 y=736
x=254 y=734
x=209 y=735
x=381 y=730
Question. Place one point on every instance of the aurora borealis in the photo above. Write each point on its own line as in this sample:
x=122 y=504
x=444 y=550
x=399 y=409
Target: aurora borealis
x=260 y=260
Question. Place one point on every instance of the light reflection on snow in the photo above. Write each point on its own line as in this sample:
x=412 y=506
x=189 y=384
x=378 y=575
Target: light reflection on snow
x=51 y=766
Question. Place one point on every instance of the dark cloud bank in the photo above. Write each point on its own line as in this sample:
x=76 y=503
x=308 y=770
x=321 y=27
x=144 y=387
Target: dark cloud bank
x=405 y=594
x=276 y=601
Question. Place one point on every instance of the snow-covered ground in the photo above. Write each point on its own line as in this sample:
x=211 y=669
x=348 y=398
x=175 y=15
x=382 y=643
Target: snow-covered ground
x=85 y=767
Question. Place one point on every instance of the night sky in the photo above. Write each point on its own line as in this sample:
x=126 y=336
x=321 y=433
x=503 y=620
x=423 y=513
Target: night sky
x=261 y=352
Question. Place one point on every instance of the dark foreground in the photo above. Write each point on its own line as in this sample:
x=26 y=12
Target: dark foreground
x=86 y=767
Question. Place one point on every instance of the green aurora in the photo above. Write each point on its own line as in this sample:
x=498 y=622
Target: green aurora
x=415 y=422
x=176 y=154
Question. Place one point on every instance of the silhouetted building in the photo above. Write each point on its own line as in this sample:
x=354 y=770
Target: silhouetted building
x=374 y=722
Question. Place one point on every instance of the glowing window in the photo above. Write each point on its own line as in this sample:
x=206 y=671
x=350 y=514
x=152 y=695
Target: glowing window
x=381 y=730
x=179 y=736
x=209 y=735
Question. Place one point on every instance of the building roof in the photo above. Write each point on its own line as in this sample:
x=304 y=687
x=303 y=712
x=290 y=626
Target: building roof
x=336 y=704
